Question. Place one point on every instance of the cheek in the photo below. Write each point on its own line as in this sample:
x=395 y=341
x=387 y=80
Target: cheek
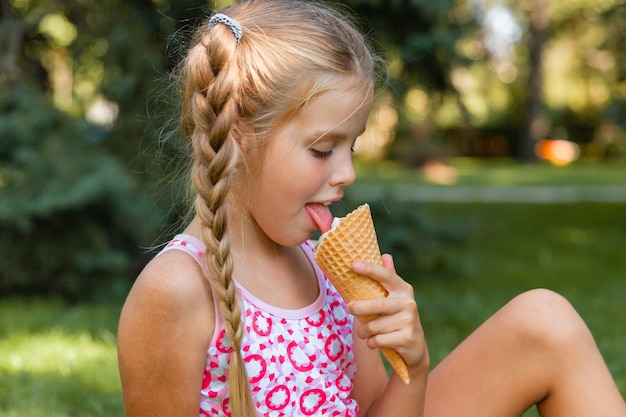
x=268 y=195
x=284 y=178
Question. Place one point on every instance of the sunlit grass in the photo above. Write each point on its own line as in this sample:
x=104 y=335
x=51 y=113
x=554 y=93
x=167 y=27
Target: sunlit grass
x=58 y=360
x=502 y=172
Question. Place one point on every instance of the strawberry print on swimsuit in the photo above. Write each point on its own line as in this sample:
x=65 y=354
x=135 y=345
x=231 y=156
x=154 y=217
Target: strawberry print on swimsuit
x=300 y=362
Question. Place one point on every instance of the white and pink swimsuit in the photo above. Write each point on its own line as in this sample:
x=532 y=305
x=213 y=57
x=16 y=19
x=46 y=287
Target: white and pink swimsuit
x=300 y=362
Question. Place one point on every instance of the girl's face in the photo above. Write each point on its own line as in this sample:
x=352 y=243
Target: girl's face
x=305 y=166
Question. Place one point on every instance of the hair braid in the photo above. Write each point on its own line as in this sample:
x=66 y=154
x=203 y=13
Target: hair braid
x=213 y=115
x=288 y=53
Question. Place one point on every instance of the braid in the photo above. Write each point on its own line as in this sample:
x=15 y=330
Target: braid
x=256 y=72
x=213 y=115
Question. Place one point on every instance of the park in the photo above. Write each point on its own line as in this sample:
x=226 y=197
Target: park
x=494 y=161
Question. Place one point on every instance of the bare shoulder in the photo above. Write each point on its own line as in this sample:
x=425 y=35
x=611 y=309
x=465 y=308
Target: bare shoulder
x=173 y=274
x=171 y=283
x=165 y=327
x=170 y=290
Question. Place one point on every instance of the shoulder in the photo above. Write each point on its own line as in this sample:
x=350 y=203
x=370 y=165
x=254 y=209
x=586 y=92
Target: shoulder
x=174 y=275
x=165 y=327
x=171 y=286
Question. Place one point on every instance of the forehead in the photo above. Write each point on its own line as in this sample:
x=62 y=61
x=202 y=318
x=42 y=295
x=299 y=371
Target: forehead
x=325 y=104
x=341 y=112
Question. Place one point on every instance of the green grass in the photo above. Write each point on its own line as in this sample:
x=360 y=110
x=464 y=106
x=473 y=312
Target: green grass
x=59 y=360
x=471 y=171
x=575 y=249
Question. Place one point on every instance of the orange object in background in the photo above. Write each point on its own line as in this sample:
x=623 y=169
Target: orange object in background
x=557 y=151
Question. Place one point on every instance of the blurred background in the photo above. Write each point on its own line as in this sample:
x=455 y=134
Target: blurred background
x=494 y=162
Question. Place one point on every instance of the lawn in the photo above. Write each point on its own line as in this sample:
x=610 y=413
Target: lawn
x=59 y=360
x=499 y=172
x=575 y=249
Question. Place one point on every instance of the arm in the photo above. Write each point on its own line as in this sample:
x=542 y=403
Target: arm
x=398 y=326
x=165 y=328
x=371 y=377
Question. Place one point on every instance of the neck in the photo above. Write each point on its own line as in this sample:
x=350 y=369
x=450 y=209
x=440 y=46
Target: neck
x=279 y=275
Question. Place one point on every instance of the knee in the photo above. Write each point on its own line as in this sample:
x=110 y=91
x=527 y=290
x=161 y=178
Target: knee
x=546 y=319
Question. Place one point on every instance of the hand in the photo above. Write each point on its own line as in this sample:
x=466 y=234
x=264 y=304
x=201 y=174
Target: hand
x=398 y=324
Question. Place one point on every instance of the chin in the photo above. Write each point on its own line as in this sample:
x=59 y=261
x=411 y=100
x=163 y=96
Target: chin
x=293 y=241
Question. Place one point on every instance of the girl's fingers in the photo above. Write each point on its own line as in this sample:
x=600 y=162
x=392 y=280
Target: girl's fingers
x=391 y=305
x=397 y=323
x=388 y=262
x=402 y=332
x=400 y=298
x=392 y=315
x=385 y=274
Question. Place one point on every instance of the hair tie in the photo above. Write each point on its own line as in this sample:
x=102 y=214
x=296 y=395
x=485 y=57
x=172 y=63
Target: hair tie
x=230 y=23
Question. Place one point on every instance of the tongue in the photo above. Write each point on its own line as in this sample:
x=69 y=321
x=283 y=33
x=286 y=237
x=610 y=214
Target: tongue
x=321 y=215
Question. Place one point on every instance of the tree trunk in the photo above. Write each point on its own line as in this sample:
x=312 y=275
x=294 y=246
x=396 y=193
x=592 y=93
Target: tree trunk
x=536 y=127
x=11 y=35
x=12 y=32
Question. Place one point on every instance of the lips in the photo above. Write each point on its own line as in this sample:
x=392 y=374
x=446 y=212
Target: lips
x=321 y=216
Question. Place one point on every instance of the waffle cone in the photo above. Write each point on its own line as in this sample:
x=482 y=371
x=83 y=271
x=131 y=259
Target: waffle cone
x=354 y=238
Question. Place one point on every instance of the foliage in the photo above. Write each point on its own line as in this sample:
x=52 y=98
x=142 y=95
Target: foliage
x=67 y=206
x=77 y=198
x=102 y=183
x=460 y=85
x=417 y=242
x=421 y=33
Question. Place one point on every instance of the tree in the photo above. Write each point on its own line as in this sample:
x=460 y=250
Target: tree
x=558 y=78
x=88 y=119
x=73 y=217
x=535 y=127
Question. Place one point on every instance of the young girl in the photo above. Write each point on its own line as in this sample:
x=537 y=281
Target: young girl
x=233 y=317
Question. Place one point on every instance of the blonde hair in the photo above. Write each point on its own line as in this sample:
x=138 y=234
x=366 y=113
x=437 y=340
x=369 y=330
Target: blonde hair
x=290 y=51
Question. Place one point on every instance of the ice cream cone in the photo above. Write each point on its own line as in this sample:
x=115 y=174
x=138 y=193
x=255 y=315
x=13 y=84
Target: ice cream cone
x=354 y=238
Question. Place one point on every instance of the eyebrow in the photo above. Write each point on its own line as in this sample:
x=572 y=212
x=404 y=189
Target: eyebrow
x=321 y=135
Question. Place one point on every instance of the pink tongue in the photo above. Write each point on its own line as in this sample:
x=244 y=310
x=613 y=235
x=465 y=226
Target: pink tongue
x=321 y=215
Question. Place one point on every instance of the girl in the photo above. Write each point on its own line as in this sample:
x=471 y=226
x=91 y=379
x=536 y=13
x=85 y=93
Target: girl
x=234 y=318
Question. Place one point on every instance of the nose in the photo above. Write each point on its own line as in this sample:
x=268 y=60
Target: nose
x=343 y=173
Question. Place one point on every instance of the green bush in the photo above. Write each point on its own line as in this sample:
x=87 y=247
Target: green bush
x=418 y=243
x=70 y=213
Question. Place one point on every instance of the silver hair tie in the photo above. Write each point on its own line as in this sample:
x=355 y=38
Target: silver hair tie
x=230 y=23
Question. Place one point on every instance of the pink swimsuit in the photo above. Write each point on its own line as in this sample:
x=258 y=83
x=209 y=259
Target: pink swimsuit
x=300 y=362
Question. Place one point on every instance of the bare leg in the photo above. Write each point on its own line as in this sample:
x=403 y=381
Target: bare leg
x=535 y=350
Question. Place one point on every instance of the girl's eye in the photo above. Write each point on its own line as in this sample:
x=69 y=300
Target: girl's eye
x=321 y=154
